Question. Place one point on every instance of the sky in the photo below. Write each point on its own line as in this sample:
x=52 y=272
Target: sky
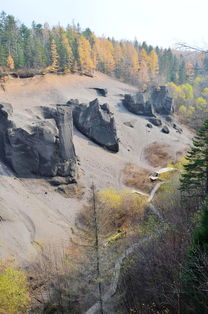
x=158 y=22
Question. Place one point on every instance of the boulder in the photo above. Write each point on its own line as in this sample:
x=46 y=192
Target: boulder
x=38 y=143
x=177 y=128
x=154 y=101
x=165 y=129
x=138 y=104
x=149 y=125
x=101 y=91
x=155 y=121
x=97 y=123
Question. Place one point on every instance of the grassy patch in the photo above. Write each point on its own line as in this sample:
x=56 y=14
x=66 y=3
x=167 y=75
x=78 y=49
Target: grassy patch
x=71 y=191
x=116 y=210
x=158 y=154
x=137 y=178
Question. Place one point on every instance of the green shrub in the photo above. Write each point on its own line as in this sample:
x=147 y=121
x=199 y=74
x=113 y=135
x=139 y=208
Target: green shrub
x=14 y=294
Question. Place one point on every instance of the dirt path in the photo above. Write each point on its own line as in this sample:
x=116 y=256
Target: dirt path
x=117 y=268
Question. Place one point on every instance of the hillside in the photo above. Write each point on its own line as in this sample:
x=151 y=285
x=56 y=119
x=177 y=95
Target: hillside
x=34 y=213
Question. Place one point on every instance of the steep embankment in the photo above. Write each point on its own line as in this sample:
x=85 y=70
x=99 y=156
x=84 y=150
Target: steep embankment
x=33 y=212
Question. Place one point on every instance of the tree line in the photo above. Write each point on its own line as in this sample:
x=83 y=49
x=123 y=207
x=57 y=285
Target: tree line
x=72 y=49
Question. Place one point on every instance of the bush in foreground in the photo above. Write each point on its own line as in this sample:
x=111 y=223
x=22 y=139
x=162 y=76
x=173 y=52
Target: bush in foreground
x=14 y=295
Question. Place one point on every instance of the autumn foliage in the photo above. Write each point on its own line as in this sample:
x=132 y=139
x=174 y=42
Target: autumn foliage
x=14 y=295
x=72 y=49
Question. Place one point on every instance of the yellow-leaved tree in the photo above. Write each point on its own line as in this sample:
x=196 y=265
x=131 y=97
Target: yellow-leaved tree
x=118 y=57
x=54 y=58
x=10 y=62
x=85 y=55
x=153 y=64
x=143 y=69
x=14 y=295
x=131 y=62
x=104 y=51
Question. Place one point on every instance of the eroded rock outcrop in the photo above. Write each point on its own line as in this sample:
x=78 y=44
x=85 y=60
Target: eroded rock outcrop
x=161 y=101
x=38 y=142
x=151 y=102
x=96 y=122
x=138 y=104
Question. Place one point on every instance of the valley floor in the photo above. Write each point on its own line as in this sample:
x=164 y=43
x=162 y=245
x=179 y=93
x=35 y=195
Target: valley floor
x=33 y=213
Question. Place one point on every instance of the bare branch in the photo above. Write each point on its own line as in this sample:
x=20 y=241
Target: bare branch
x=182 y=45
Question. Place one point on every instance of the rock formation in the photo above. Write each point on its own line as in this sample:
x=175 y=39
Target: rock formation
x=151 y=102
x=177 y=128
x=149 y=125
x=161 y=101
x=38 y=143
x=165 y=129
x=155 y=121
x=138 y=104
x=96 y=122
x=101 y=91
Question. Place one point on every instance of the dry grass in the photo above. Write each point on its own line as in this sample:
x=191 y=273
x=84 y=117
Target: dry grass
x=71 y=191
x=137 y=178
x=116 y=210
x=158 y=154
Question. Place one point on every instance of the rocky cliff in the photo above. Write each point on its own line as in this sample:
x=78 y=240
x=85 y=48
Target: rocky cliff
x=38 y=142
x=154 y=101
x=96 y=122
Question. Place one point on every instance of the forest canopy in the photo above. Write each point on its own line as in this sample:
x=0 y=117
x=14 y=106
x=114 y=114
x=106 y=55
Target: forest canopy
x=71 y=49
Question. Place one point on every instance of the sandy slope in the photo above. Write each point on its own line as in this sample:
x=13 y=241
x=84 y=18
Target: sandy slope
x=32 y=217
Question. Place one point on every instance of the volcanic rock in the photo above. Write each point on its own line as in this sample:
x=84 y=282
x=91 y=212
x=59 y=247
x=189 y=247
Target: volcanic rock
x=38 y=143
x=97 y=123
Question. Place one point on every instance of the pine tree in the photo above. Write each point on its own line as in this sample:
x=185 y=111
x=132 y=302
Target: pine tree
x=88 y=34
x=194 y=181
x=40 y=58
x=196 y=69
x=200 y=235
x=174 y=70
x=205 y=65
x=10 y=62
x=25 y=46
x=182 y=73
x=66 y=55
x=195 y=271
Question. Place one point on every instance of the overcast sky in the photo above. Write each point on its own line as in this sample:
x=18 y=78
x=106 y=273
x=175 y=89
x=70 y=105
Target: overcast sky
x=158 y=22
